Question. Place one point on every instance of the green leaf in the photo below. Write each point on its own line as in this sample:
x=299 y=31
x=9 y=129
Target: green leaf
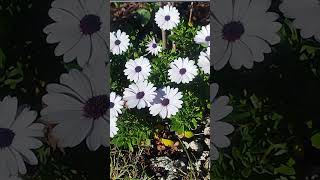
x=167 y=142
x=144 y=16
x=315 y=139
x=291 y=162
x=286 y=170
x=246 y=172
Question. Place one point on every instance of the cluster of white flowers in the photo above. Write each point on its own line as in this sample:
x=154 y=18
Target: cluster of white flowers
x=165 y=101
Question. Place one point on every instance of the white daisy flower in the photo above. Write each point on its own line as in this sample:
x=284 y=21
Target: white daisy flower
x=138 y=69
x=139 y=94
x=17 y=137
x=113 y=127
x=243 y=32
x=167 y=17
x=203 y=36
x=305 y=14
x=153 y=47
x=80 y=29
x=116 y=104
x=219 y=129
x=193 y=145
x=167 y=102
x=182 y=70
x=119 y=42
x=206 y=131
x=79 y=106
x=204 y=61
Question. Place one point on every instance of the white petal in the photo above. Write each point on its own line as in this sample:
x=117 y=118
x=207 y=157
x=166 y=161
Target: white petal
x=24 y=119
x=98 y=135
x=73 y=132
x=8 y=110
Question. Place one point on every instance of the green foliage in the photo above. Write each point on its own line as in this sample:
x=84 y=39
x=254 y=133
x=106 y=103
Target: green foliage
x=10 y=76
x=144 y=16
x=135 y=129
x=190 y=115
x=257 y=145
x=183 y=37
x=52 y=167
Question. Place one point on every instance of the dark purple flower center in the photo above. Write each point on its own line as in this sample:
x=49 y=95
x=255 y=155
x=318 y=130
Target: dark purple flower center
x=90 y=24
x=154 y=45
x=117 y=42
x=96 y=106
x=165 y=102
x=207 y=38
x=6 y=137
x=140 y=95
x=138 y=69
x=167 y=18
x=182 y=71
x=232 y=31
x=111 y=105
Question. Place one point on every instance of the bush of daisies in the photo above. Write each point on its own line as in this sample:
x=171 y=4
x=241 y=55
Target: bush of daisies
x=160 y=77
x=160 y=85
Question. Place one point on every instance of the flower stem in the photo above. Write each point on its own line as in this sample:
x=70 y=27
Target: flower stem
x=190 y=14
x=164 y=39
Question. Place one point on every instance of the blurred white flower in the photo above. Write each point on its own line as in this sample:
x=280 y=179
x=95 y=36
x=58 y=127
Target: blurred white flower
x=167 y=17
x=119 y=42
x=80 y=30
x=305 y=14
x=113 y=127
x=153 y=47
x=116 y=104
x=18 y=136
x=204 y=155
x=206 y=131
x=138 y=69
x=182 y=70
x=80 y=107
x=139 y=94
x=244 y=31
x=219 y=129
x=194 y=145
x=204 y=61
x=167 y=102
x=197 y=165
x=203 y=36
x=207 y=141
